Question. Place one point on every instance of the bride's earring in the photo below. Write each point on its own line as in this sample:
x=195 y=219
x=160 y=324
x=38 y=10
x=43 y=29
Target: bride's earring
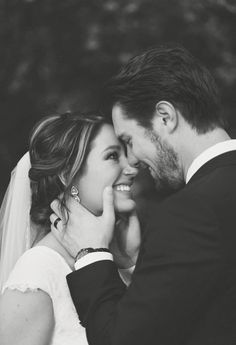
x=75 y=193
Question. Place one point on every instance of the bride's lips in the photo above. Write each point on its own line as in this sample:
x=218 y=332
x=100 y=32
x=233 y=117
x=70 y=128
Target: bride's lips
x=123 y=187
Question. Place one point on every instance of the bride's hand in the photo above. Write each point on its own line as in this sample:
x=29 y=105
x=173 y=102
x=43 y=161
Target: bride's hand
x=126 y=240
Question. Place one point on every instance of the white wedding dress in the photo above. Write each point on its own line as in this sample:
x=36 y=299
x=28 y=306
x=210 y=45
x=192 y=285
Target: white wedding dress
x=40 y=267
x=43 y=268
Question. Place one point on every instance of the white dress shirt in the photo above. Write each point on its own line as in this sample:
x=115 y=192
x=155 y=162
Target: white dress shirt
x=208 y=154
x=125 y=273
x=205 y=156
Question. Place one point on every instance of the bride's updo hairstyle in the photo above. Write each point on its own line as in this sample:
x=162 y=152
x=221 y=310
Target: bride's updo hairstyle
x=59 y=145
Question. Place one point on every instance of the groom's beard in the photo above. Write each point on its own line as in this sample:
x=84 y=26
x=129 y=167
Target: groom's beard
x=168 y=174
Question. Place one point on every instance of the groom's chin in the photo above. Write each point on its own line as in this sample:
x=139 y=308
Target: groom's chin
x=165 y=187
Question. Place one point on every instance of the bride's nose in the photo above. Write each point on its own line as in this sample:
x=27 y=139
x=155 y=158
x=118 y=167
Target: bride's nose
x=130 y=170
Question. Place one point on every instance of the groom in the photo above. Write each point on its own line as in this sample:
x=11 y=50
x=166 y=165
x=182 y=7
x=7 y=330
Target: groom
x=165 y=109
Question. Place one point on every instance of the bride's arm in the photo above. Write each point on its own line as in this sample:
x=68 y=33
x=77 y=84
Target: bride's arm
x=26 y=318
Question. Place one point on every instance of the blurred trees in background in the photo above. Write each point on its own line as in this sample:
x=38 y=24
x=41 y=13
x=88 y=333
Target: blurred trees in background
x=55 y=54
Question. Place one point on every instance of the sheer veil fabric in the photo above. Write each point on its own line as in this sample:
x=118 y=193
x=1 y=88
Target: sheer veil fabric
x=15 y=233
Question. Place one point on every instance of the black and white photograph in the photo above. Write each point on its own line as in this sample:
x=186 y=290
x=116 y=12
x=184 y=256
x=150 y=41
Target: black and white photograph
x=118 y=172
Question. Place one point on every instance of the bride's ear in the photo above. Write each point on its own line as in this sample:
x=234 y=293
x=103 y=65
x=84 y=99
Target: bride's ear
x=62 y=179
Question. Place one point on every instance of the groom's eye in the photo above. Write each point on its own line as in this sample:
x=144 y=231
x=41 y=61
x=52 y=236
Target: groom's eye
x=129 y=142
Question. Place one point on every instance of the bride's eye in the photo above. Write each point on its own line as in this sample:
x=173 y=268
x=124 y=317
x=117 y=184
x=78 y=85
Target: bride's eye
x=113 y=155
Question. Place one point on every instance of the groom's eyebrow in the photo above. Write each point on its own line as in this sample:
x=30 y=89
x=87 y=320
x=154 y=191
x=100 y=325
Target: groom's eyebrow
x=123 y=137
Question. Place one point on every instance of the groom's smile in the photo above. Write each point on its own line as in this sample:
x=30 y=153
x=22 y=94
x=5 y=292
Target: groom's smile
x=145 y=147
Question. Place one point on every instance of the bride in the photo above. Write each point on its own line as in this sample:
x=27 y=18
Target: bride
x=69 y=155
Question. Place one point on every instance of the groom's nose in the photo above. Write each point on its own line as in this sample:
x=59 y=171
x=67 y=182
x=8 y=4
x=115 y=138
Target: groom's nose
x=132 y=159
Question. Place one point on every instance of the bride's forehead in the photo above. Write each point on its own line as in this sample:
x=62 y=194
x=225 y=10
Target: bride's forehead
x=105 y=137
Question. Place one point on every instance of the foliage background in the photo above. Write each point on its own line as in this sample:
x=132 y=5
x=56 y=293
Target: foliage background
x=55 y=54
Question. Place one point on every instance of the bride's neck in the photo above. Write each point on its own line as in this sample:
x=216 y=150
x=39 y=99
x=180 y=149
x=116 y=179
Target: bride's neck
x=50 y=241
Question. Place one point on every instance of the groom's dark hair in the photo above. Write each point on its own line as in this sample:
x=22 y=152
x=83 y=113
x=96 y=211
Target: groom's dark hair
x=168 y=73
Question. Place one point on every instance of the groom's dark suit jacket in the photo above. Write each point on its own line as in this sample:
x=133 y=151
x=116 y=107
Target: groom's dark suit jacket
x=183 y=290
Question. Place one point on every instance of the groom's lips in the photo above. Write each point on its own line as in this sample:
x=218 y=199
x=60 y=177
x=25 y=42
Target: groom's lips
x=143 y=165
x=152 y=172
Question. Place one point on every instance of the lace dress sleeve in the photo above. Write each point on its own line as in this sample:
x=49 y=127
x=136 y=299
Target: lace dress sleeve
x=43 y=268
x=34 y=270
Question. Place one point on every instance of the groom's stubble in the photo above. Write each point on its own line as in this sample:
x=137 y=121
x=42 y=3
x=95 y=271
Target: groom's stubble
x=169 y=175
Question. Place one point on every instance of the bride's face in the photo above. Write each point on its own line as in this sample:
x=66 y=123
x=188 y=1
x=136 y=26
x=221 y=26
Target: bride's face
x=106 y=165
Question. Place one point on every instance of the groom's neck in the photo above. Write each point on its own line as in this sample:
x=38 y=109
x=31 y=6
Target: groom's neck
x=193 y=144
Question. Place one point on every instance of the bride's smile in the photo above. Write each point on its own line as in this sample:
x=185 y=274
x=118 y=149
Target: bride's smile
x=106 y=165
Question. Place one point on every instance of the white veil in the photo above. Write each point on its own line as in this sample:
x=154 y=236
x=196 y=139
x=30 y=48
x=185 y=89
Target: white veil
x=15 y=235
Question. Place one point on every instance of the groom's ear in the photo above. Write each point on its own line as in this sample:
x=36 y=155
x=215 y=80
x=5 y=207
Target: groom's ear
x=167 y=116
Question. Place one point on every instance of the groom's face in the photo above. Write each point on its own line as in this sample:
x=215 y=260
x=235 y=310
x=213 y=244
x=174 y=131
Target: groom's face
x=147 y=147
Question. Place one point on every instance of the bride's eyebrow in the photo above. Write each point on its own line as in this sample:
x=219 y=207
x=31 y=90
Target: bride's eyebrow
x=112 y=147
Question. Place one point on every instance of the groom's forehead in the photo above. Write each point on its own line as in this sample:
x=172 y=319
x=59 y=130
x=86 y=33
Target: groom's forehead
x=118 y=113
x=122 y=128
x=119 y=120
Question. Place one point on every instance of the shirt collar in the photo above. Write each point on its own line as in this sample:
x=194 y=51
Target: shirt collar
x=208 y=154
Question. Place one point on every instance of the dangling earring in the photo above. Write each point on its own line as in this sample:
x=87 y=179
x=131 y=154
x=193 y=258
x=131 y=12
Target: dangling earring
x=75 y=193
